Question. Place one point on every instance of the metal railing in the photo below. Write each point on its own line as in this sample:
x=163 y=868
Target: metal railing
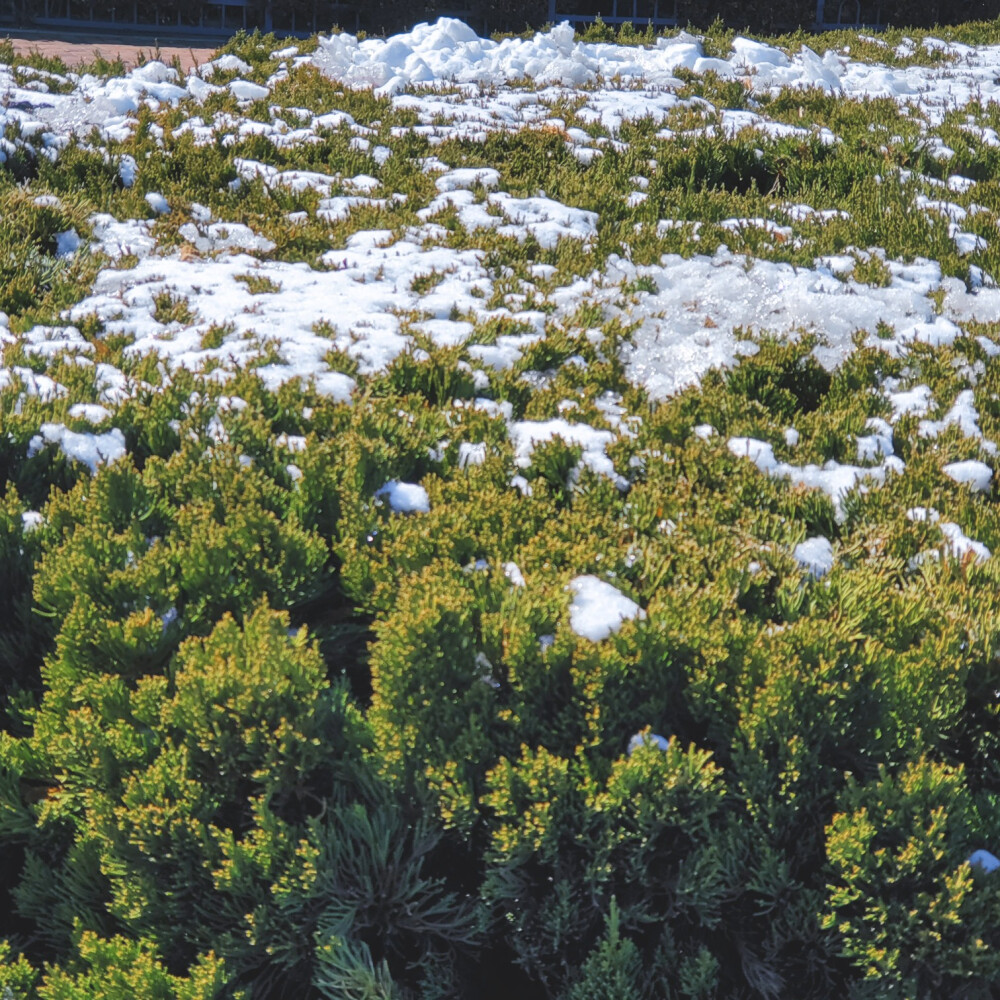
x=211 y=17
x=849 y=14
x=637 y=12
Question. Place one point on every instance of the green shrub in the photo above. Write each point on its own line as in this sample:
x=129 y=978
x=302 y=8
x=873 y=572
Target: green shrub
x=911 y=914
x=262 y=735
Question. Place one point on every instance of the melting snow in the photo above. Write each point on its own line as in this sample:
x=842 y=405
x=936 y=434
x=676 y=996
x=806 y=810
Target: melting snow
x=648 y=739
x=92 y=450
x=598 y=609
x=976 y=475
x=832 y=478
x=405 y=498
x=815 y=555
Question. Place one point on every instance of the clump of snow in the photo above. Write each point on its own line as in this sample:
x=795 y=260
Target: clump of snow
x=522 y=485
x=31 y=520
x=599 y=609
x=759 y=452
x=216 y=237
x=960 y=545
x=915 y=401
x=471 y=454
x=975 y=474
x=67 y=243
x=962 y=415
x=547 y=220
x=118 y=239
x=985 y=860
x=93 y=450
x=127 y=169
x=647 y=739
x=815 y=555
x=878 y=444
x=292 y=442
x=956 y=543
x=157 y=203
x=93 y=413
x=405 y=498
x=244 y=90
x=225 y=64
x=526 y=435
x=466 y=178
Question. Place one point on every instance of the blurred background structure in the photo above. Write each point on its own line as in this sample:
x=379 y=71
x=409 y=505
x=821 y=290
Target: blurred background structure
x=214 y=19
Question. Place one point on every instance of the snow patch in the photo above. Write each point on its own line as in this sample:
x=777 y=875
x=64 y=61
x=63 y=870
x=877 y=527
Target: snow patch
x=405 y=498
x=598 y=609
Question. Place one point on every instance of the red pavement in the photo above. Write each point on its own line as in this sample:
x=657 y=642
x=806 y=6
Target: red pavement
x=74 y=53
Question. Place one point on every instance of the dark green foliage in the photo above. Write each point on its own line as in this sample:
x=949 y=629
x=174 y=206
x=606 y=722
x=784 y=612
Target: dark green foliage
x=912 y=832
x=196 y=800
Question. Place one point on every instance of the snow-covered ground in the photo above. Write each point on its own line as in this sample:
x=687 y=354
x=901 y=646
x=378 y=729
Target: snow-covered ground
x=449 y=52
x=377 y=293
x=480 y=88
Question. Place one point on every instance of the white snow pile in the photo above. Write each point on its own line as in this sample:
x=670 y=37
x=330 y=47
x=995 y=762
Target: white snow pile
x=815 y=556
x=405 y=498
x=93 y=450
x=450 y=51
x=598 y=609
x=976 y=475
x=648 y=739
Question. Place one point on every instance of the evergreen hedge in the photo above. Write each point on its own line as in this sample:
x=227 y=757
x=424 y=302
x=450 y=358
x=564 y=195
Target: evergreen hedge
x=264 y=737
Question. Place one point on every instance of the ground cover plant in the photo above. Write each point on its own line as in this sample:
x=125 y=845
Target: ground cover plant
x=490 y=517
